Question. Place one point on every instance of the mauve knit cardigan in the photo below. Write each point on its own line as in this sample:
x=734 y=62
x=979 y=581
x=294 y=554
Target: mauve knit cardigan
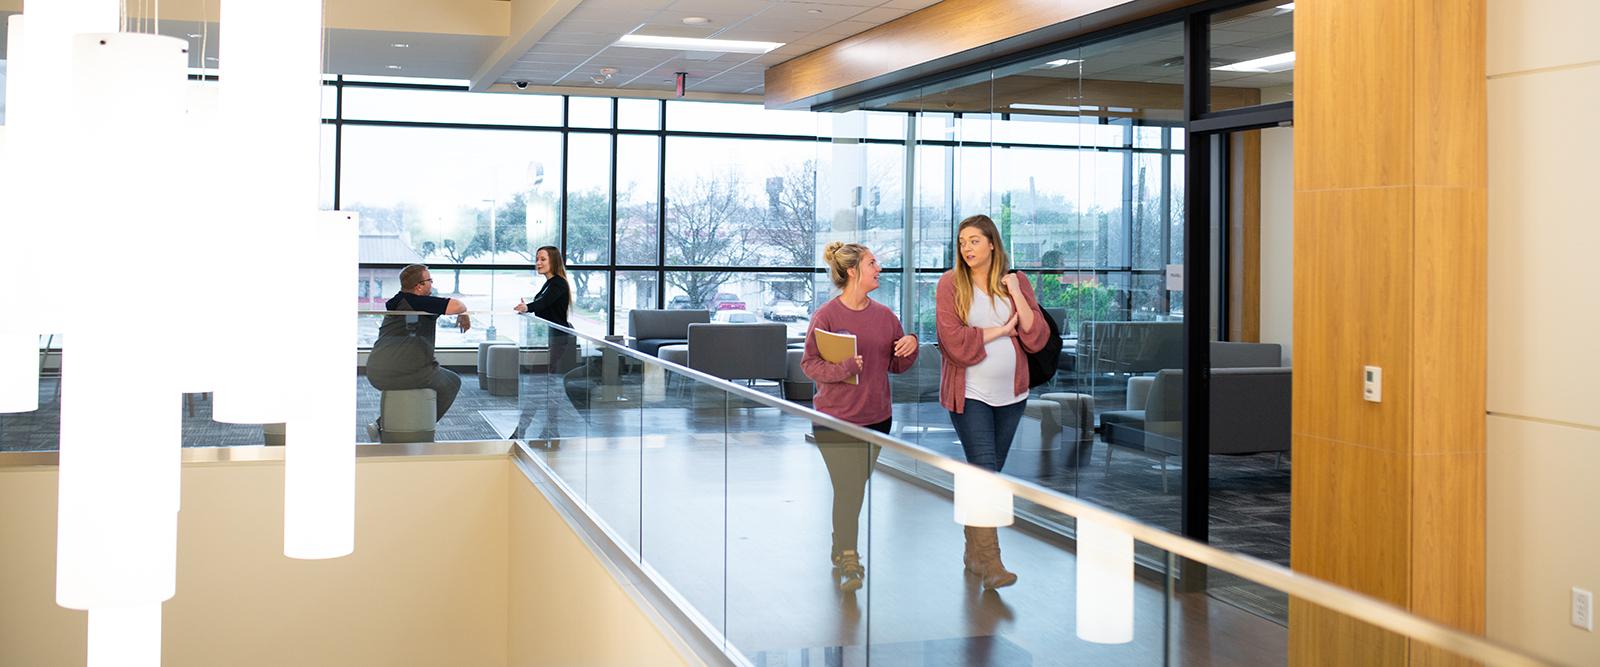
x=962 y=346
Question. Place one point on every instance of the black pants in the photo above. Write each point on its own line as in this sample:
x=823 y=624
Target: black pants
x=850 y=462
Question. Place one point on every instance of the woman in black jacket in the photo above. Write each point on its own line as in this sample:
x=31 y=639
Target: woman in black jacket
x=551 y=304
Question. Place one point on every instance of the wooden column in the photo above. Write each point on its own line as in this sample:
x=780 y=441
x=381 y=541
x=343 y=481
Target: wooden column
x=1389 y=270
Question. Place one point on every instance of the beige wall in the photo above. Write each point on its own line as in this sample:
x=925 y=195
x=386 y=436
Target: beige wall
x=566 y=609
x=458 y=562
x=1277 y=239
x=1544 y=232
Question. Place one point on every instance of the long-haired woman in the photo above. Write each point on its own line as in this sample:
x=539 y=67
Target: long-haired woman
x=882 y=347
x=552 y=303
x=987 y=319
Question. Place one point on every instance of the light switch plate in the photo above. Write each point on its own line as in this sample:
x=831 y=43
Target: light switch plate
x=1372 y=384
x=1582 y=609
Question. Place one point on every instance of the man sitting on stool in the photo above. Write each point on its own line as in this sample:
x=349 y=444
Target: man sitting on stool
x=402 y=357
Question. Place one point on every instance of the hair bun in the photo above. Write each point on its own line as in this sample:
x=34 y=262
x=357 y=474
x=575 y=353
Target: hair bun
x=830 y=250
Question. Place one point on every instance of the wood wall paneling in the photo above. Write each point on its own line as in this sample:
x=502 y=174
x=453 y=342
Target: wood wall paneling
x=1352 y=308
x=1353 y=89
x=943 y=36
x=1451 y=140
x=1244 y=237
x=1390 y=270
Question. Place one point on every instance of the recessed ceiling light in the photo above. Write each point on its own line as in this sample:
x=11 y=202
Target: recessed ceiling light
x=1280 y=62
x=696 y=20
x=211 y=58
x=1045 y=107
x=1058 y=63
x=399 y=45
x=194 y=35
x=392 y=66
x=813 y=11
x=693 y=44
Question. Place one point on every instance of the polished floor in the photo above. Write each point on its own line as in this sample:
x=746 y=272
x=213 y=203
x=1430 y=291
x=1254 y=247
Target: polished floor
x=739 y=524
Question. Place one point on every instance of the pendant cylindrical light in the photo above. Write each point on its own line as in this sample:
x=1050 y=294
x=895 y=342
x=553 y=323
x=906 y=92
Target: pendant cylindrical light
x=1105 y=584
x=982 y=500
x=19 y=347
x=125 y=636
x=319 y=466
x=270 y=70
x=118 y=497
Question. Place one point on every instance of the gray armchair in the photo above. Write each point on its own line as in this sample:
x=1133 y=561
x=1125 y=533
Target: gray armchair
x=1250 y=407
x=649 y=329
x=755 y=351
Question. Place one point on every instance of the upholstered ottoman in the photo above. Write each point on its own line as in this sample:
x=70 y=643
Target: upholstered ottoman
x=1049 y=415
x=407 y=415
x=796 y=386
x=502 y=360
x=1077 y=413
x=274 y=435
x=483 y=361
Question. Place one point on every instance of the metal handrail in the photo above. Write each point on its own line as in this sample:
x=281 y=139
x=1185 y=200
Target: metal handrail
x=1322 y=593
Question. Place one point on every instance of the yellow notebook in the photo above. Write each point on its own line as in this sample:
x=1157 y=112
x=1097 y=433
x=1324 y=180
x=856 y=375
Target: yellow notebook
x=836 y=348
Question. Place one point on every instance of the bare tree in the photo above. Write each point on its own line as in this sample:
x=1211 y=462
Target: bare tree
x=707 y=225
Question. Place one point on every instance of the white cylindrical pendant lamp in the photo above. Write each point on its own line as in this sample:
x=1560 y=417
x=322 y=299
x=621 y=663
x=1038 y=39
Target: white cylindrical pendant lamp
x=982 y=500
x=125 y=636
x=19 y=372
x=319 y=466
x=1105 y=584
x=270 y=69
x=118 y=497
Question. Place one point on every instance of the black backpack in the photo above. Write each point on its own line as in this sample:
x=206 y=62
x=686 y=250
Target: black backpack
x=1042 y=364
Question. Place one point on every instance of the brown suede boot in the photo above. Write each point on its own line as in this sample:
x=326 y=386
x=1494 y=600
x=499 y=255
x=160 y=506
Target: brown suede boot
x=988 y=563
x=969 y=557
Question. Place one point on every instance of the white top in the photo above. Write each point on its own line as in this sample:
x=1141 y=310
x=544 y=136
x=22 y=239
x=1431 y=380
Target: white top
x=992 y=379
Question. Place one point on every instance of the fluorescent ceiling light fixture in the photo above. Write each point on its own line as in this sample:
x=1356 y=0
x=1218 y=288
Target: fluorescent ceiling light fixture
x=1274 y=63
x=1287 y=7
x=695 y=44
x=1044 y=107
x=1058 y=63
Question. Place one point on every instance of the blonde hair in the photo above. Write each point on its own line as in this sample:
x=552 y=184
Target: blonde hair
x=841 y=257
x=998 y=265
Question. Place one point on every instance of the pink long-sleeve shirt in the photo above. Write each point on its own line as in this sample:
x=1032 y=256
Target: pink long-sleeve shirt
x=876 y=329
x=962 y=346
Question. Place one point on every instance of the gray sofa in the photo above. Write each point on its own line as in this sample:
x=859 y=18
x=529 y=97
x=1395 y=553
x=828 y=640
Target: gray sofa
x=1250 y=406
x=649 y=329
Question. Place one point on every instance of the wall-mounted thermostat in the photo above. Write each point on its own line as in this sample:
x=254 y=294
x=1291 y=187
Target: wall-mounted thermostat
x=1372 y=384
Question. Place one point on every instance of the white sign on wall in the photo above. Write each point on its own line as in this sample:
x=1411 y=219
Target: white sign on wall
x=1175 y=277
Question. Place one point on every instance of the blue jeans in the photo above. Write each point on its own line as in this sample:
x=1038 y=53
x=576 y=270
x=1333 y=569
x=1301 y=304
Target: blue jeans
x=986 y=431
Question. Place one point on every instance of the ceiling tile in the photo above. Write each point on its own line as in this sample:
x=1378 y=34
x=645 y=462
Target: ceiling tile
x=880 y=15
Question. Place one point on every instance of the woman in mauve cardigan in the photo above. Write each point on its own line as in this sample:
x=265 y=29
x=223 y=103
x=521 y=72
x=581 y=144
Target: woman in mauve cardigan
x=988 y=319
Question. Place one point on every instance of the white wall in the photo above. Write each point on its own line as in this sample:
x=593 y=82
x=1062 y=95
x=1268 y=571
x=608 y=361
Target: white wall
x=1543 y=456
x=1277 y=239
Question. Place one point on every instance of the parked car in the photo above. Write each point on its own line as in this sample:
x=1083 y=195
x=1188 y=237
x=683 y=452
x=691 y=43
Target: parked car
x=735 y=317
x=786 y=311
x=725 y=301
x=680 y=302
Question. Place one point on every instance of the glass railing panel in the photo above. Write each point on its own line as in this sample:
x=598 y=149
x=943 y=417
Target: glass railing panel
x=683 y=488
x=739 y=512
x=796 y=497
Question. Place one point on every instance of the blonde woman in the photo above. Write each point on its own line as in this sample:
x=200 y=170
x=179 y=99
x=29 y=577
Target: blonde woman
x=882 y=347
x=987 y=319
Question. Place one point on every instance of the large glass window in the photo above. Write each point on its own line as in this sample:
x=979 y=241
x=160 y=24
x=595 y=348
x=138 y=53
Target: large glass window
x=431 y=194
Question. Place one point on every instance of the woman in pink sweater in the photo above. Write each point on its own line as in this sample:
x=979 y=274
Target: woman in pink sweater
x=882 y=347
x=987 y=319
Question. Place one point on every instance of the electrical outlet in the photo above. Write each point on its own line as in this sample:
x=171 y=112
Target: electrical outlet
x=1582 y=609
